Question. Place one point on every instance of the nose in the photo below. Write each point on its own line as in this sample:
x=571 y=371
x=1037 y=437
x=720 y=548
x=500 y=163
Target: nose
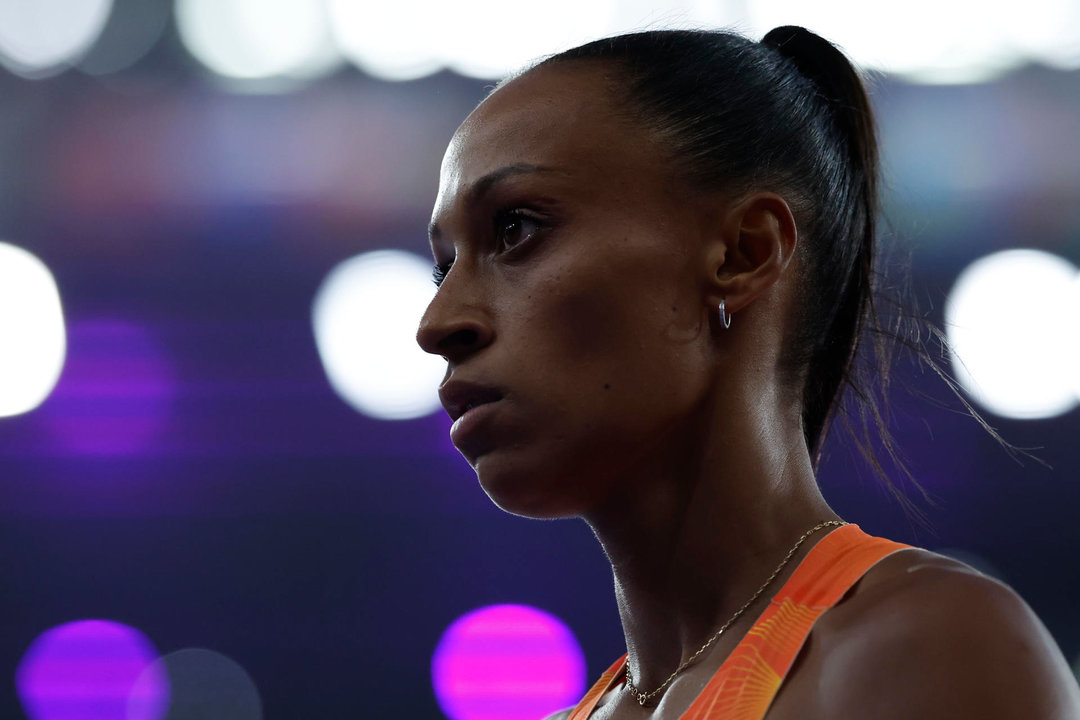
x=452 y=330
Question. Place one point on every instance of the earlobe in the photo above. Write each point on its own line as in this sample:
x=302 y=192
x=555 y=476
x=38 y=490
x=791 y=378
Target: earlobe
x=757 y=243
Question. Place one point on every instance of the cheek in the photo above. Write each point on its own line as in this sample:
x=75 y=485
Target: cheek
x=611 y=345
x=590 y=326
x=604 y=386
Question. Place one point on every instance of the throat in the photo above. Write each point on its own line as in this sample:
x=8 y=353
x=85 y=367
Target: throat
x=696 y=618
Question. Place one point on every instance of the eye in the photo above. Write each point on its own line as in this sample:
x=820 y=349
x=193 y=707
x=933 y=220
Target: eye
x=514 y=227
x=438 y=273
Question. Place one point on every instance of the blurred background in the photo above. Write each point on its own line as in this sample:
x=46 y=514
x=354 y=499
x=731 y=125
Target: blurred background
x=226 y=487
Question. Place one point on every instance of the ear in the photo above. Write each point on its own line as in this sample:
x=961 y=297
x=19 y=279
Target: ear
x=753 y=247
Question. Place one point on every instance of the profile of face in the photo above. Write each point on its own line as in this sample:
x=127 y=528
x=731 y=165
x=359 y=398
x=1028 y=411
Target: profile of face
x=573 y=306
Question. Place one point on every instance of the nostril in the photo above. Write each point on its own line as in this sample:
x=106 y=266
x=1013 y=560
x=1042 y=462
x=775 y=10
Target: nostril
x=454 y=338
x=462 y=339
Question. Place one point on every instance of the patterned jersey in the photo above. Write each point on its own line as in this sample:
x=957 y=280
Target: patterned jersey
x=745 y=685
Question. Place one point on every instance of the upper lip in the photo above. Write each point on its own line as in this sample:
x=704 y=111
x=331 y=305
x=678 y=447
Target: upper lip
x=458 y=396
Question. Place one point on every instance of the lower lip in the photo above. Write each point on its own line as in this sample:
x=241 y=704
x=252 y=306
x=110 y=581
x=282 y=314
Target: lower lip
x=467 y=426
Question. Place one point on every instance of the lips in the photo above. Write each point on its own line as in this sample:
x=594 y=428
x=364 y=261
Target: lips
x=460 y=396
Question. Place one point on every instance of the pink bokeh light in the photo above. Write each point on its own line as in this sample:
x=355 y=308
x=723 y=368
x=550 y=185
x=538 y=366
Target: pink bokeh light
x=92 y=670
x=507 y=662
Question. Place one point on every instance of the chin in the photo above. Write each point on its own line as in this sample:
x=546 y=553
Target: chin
x=529 y=494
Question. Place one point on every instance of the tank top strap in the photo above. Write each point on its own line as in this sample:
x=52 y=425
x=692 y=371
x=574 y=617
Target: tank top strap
x=745 y=685
x=608 y=680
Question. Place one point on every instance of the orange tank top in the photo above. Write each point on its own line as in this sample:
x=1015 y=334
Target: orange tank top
x=745 y=685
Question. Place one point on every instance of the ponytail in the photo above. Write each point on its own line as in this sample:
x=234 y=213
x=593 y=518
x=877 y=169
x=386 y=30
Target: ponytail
x=838 y=84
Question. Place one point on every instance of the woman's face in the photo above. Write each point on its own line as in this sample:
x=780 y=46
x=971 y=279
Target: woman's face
x=575 y=303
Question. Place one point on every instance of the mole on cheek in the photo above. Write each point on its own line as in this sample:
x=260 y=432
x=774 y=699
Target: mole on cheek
x=607 y=386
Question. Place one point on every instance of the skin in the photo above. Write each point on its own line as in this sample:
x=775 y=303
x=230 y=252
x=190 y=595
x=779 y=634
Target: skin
x=593 y=310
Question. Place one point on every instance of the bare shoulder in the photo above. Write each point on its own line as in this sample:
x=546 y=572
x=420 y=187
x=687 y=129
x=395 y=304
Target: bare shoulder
x=926 y=636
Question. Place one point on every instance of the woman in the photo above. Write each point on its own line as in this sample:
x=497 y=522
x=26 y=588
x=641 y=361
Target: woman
x=654 y=255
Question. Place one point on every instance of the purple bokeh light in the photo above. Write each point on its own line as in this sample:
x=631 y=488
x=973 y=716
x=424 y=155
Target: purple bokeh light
x=92 y=670
x=507 y=662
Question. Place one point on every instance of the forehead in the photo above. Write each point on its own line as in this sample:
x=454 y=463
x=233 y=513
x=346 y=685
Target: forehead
x=563 y=117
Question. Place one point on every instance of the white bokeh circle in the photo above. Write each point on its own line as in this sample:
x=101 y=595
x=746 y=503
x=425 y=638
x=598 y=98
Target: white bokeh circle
x=1071 y=309
x=490 y=38
x=397 y=40
x=203 y=685
x=33 y=338
x=365 y=317
x=1012 y=321
x=42 y=37
x=257 y=39
x=924 y=40
x=1046 y=30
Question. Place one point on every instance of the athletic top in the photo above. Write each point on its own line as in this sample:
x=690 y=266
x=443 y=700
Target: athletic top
x=745 y=685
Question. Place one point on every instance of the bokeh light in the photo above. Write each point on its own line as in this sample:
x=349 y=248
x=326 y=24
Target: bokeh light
x=1012 y=320
x=1046 y=30
x=965 y=41
x=134 y=27
x=33 y=340
x=488 y=39
x=485 y=38
x=365 y=316
x=257 y=39
x=507 y=662
x=205 y=685
x=1071 y=340
x=39 y=38
x=880 y=35
x=92 y=670
x=397 y=40
x=634 y=15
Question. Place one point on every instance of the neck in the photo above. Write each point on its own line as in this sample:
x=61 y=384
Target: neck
x=703 y=525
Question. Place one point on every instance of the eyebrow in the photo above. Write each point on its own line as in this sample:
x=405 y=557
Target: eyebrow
x=483 y=186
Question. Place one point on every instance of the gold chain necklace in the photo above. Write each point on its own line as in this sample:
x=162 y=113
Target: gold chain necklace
x=644 y=697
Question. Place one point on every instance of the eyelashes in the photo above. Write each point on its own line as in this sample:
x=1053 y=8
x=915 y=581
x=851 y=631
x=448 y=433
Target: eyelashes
x=512 y=229
x=438 y=273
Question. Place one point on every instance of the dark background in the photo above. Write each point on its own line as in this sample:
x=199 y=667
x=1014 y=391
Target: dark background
x=236 y=503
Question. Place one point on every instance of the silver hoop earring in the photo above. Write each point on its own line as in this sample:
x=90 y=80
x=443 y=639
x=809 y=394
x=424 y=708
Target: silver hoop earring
x=725 y=317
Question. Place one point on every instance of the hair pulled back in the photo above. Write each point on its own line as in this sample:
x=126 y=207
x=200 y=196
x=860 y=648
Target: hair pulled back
x=788 y=114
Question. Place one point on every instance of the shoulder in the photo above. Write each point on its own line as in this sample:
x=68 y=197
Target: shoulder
x=926 y=636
